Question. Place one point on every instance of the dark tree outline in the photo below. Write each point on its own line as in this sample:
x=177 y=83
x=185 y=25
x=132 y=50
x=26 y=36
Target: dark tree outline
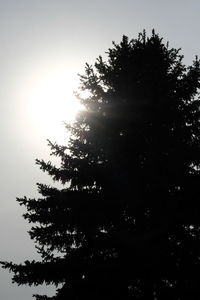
x=139 y=136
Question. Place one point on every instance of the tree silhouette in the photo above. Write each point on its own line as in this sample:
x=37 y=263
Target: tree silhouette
x=127 y=224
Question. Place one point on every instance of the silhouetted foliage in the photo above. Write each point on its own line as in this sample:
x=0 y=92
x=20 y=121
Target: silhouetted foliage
x=127 y=226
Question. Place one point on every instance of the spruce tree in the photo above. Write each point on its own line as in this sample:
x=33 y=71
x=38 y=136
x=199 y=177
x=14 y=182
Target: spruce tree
x=125 y=225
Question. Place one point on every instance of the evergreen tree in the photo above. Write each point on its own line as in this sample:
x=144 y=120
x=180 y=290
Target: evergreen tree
x=126 y=223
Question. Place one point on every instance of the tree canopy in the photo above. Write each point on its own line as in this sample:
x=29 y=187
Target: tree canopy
x=125 y=225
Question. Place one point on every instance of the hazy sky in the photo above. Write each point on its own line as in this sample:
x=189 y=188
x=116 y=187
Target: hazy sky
x=43 y=45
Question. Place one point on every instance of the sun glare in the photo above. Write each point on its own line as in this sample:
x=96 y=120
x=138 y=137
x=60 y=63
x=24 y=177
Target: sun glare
x=50 y=101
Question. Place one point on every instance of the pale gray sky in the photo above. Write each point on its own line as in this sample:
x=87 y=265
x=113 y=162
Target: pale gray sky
x=46 y=41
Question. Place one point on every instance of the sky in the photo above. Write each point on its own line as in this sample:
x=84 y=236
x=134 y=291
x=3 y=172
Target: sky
x=44 y=45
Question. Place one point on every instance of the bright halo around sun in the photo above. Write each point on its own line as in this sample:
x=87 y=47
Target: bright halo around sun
x=50 y=101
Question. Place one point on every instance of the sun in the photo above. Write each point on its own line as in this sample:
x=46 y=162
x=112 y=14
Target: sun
x=50 y=101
